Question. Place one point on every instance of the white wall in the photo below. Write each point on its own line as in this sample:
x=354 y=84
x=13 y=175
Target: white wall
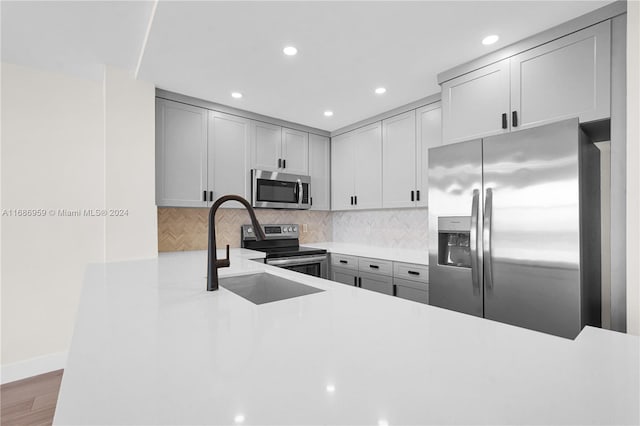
x=633 y=167
x=67 y=143
x=52 y=158
x=130 y=167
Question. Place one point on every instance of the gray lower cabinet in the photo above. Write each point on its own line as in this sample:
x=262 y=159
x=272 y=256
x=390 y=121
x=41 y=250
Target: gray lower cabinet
x=344 y=276
x=411 y=290
x=411 y=281
x=405 y=280
x=380 y=283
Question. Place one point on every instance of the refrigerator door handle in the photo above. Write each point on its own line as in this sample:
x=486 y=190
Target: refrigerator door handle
x=486 y=239
x=473 y=242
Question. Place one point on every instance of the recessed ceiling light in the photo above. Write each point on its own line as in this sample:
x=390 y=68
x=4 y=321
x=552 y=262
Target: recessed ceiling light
x=383 y=422
x=239 y=418
x=490 y=39
x=236 y=95
x=331 y=388
x=290 y=50
x=328 y=113
x=380 y=90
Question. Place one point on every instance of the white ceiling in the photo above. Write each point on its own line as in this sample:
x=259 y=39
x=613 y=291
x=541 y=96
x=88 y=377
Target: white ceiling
x=209 y=49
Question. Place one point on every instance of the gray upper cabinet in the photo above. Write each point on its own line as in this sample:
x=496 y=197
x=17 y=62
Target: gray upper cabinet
x=266 y=146
x=565 y=78
x=319 y=170
x=428 y=135
x=356 y=169
x=181 y=155
x=279 y=149
x=473 y=104
x=406 y=139
x=228 y=156
x=343 y=171
x=368 y=165
x=399 y=161
x=295 y=151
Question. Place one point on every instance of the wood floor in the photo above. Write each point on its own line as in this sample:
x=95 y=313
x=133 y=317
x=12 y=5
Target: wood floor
x=30 y=401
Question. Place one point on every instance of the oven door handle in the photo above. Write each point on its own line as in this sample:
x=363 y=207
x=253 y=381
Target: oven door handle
x=296 y=260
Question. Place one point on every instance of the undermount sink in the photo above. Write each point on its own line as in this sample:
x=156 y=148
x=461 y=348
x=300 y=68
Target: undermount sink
x=264 y=288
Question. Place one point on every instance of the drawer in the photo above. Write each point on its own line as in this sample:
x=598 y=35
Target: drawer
x=411 y=293
x=344 y=276
x=344 y=261
x=409 y=271
x=375 y=266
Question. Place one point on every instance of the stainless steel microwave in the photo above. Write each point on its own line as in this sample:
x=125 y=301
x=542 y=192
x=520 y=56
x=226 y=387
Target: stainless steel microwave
x=275 y=190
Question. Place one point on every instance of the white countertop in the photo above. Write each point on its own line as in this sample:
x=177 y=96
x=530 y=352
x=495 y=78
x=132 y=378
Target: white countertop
x=420 y=257
x=151 y=346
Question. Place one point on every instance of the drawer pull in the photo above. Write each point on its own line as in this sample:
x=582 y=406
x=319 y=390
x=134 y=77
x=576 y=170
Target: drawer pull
x=413 y=273
x=374 y=266
x=344 y=261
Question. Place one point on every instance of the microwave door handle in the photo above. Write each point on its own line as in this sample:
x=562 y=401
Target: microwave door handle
x=300 y=189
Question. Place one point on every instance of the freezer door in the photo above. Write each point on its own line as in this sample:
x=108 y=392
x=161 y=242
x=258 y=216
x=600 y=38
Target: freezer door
x=455 y=225
x=532 y=228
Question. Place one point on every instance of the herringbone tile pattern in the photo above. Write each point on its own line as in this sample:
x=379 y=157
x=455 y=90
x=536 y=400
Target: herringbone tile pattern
x=182 y=229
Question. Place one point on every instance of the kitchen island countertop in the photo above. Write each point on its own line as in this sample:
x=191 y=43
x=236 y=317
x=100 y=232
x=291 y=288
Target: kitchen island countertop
x=151 y=346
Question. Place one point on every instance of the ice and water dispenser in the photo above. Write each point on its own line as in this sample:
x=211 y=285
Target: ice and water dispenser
x=453 y=241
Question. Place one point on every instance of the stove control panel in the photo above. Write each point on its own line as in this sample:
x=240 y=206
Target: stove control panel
x=272 y=232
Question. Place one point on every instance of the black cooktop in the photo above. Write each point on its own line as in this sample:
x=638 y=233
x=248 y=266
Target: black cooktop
x=275 y=252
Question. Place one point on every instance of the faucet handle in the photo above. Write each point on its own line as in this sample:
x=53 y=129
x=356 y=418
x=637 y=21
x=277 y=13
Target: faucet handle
x=224 y=263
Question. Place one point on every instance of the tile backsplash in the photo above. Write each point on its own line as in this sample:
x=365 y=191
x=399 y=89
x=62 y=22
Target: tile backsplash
x=394 y=228
x=182 y=229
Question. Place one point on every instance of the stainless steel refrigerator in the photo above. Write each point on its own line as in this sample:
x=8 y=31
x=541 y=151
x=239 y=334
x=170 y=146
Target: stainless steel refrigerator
x=514 y=228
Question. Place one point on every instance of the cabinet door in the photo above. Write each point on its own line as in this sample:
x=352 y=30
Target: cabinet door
x=181 y=155
x=266 y=146
x=565 y=78
x=368 y=164
x=399 y=160
x=343 y=167
x=228 y=156
x=295 y=151
x=344 y=276
x=380 y=283
x=319 y=158
x=429 y=135
x=473 y=104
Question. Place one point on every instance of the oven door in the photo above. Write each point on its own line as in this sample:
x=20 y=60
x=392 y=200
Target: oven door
x=279 y=190
x=310 y=265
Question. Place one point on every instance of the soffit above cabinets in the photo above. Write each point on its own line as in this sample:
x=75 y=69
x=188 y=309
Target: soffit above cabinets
x=210 y=49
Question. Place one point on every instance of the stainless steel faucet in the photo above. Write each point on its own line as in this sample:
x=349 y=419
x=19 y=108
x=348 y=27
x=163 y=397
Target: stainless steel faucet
x=213 y=262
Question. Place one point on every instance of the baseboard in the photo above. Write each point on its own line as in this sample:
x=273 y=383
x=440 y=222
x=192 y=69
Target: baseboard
x=32 y=367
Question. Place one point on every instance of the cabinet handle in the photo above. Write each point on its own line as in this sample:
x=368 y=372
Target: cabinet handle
x=355 y=200
x=395 y=290
x=514 y=118
x=344 y=261
x=374 y=267
x=284 y=163
x=279 y=163
x=411 y=195
x=413 y=273
x=204 y=195
x=418 y=195
x=210 y=195
x=360 y=282
x=355 y=281
x=352 y=200
x=311 y=200
x=504 y=120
